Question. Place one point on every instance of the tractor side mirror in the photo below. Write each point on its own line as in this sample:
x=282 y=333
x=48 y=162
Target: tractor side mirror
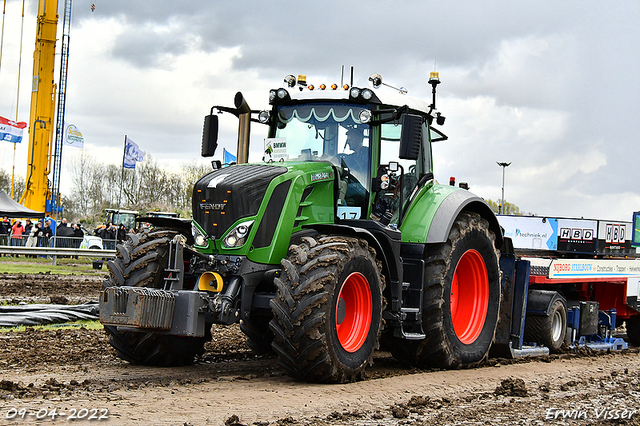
x=411 y=136
x=210 y=135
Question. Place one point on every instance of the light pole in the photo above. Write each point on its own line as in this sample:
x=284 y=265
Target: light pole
x=504 y=166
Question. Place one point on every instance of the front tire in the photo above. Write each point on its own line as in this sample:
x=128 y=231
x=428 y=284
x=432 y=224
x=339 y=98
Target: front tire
x=461 y=299
x=328 y=309
x=140 y=262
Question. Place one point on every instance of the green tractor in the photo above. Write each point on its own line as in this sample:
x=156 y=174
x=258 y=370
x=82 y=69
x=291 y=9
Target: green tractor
x=339 y=240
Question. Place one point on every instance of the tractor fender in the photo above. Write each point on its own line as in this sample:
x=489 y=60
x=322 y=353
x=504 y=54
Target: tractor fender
x=539 y=301
x=435 y=209
x=387 y=248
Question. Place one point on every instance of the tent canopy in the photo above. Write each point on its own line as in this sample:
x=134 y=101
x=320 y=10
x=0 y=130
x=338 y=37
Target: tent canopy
x=10 y=208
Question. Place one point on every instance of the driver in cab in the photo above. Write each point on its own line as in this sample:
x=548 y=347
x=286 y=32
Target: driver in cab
x=358 y=164
x=358 y=160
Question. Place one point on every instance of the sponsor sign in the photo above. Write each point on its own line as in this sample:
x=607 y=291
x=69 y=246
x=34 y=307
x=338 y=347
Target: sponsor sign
x=614 y=237
x=531 y=233
x=577 y=235
x=570 y=235
x=275 y=149
x=73 y=137
x=595 y=268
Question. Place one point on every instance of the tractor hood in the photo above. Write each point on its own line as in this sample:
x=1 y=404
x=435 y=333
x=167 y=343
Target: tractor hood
x=253 y=209
x=225 y=195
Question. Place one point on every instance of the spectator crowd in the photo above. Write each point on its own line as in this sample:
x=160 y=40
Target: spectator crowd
x=36 y=234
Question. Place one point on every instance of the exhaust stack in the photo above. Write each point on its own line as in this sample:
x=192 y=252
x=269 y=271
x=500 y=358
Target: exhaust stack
x=244 y=128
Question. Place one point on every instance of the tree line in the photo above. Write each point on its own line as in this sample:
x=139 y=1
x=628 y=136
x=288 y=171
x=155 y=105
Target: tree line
x=507 y=208
x=97 y=186
x=148 y=187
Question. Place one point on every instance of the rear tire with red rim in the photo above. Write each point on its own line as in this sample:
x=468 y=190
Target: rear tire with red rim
x=327 y=312
x=461 y=298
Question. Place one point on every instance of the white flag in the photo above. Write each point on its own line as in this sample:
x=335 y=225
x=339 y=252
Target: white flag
x=132 y=154
x=73 y=137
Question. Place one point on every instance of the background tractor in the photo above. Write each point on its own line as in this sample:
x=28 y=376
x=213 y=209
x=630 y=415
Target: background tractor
x=339 y=239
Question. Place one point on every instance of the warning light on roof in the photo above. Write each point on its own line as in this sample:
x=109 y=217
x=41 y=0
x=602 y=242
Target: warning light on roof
x=302 y=80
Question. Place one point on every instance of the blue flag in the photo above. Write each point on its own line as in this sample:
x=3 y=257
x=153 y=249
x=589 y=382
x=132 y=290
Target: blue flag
x=228 y=157
x=132 y=154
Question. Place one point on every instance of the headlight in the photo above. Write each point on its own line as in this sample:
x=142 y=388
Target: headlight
x=238 y=235
x=264 y=116
x=230 y=241
x=279 y=95
x=355 y=92
x=364 y=116
x=199 y=238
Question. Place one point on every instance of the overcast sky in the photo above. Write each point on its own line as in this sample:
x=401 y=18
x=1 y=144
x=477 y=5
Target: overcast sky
x=552 y=87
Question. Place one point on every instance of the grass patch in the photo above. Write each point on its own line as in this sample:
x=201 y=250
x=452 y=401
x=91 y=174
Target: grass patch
x=43 y=265
x=90 y=325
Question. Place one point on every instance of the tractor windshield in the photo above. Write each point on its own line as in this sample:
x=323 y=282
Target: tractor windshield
x=326 y=132
x=319 y=132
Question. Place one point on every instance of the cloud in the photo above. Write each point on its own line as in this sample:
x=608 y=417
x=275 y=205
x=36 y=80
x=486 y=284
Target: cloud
x=550 y=86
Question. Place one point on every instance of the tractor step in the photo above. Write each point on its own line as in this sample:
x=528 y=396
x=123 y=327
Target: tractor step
x=413 y=336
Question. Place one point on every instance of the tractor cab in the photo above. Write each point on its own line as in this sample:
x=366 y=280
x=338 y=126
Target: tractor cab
x=379 y=143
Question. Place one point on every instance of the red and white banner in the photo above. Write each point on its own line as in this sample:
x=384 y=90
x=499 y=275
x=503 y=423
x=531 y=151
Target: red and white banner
x=11 y=131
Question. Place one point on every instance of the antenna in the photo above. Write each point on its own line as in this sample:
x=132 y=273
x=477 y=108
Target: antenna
x=342 y=76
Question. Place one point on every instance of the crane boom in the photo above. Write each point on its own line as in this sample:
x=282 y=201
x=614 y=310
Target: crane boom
x=54 y=205
x=41 y=119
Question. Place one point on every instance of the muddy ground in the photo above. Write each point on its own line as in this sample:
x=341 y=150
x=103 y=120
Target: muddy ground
x=69 y=370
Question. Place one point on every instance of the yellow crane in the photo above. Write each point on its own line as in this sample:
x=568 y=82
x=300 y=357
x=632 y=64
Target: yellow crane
x=41 y=119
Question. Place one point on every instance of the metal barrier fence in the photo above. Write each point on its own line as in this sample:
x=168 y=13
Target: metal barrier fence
x=55 y=246
x=55 y=241
x=53 y=252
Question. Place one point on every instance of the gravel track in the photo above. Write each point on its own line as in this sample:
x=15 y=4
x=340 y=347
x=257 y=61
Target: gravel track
x=76 y=368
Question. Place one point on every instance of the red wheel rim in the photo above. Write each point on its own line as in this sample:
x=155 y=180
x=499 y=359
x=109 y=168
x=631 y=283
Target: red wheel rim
x=353 y=312
x=469 y=297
